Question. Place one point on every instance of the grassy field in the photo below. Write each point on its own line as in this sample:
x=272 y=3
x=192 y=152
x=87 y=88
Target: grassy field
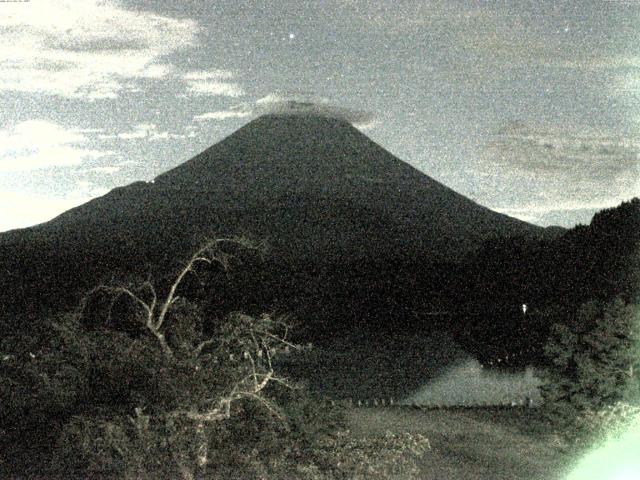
x=466 y=444
x=471 y=444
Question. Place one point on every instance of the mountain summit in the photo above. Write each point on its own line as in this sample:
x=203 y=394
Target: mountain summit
x=315 y=189
x=317 y=184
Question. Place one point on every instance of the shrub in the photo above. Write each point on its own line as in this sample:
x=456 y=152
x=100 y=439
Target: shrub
x=341 y=457
x=599 y=426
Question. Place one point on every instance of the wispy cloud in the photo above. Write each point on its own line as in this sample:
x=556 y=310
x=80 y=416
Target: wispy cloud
x=610 y=62
x=563 y=206
x=274 y=98
x=106 y=170
x=627 y=85
x=84 y=48
x=562 y=152
x=203 y=76
x=555 y=170
x=222 y=115
x=86 y=189
x=213 y=83
x=216 y=89
x=143 y=131
x=307 y=103
x=291 y=103
x=35 y=144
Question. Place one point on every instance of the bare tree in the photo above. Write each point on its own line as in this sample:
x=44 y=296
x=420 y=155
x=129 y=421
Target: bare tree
x=250 y=343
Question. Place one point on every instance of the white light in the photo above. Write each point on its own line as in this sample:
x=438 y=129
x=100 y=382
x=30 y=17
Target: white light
x=524 y=308
x=292 y=36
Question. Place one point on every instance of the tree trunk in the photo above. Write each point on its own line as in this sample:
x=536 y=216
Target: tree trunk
x=202 y=458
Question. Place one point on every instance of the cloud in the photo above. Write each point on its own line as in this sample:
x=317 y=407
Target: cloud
x=609 y=62
x=537 y=173
x=213 y=83
x=147 y=131
x=141 y=130
x=21 y=210
x=216 y=89
x=35 y=144
x=628 y=85
x=91 y=50
x=200 y=76
x=222 y=115
x=299 y=103
x=305 y=104
x=271 y=99
x=564 y=206
x=106 y=170
x=563 y=152
x=622 y=72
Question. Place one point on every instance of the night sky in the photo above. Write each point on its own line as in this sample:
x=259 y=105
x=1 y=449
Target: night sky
x=529 y=108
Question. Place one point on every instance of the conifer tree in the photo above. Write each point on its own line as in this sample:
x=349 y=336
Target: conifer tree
x=593 y=360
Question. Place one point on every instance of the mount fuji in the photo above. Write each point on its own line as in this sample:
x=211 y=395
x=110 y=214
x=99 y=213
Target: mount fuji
x=343 y=220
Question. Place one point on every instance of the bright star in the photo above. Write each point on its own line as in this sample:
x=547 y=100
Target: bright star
x=292 y=36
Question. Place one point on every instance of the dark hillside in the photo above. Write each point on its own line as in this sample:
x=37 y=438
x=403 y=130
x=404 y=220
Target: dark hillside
x=599 y=261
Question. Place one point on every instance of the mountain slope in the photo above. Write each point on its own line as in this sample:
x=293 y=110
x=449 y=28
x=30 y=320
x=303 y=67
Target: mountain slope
x=319 y=192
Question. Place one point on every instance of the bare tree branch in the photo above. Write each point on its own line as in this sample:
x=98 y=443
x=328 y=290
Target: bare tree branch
x=154 y=297
x=203 y=254
x=279 y=339
x=253 y=340
x=269 y=405
x=202 y=345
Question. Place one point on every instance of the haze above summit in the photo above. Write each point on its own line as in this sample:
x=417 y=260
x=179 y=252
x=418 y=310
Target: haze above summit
x=528 y=110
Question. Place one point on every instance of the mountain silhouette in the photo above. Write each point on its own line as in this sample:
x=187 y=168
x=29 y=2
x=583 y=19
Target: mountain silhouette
x=329 y=203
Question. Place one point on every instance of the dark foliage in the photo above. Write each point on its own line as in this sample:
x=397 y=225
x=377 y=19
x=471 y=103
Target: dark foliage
x=174 y=397
x=553 y=277
x=593 y=362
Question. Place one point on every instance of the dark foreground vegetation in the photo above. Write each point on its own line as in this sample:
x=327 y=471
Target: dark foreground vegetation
x=159 y=393
x=162 y=380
